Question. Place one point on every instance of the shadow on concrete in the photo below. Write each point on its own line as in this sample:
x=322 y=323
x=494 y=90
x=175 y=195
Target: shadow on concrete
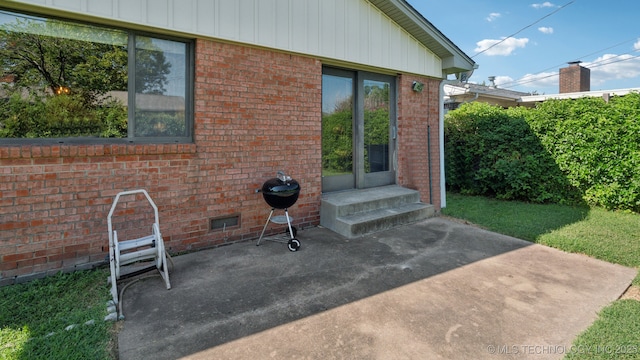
x=528 y=222
x=225 y=294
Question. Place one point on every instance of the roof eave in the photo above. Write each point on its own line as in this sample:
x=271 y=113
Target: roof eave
x=453 y=59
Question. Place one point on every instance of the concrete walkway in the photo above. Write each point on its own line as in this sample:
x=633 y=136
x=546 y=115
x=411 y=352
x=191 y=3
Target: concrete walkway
x=432 y=290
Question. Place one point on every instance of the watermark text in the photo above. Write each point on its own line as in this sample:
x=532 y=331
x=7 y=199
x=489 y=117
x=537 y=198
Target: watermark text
x=502 y=349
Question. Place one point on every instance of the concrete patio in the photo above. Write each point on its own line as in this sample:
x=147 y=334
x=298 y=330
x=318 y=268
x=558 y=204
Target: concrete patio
x=436 y=289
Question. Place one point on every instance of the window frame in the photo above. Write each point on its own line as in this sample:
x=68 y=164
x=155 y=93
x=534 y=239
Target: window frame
x=131 y=67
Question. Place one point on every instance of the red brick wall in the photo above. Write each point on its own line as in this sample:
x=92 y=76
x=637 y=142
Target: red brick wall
x=256 y=112
x=418 y=115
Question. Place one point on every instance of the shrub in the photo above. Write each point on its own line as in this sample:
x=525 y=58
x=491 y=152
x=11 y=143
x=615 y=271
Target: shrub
x=493 y=152
x=65 y=115
x=558 y=152
x=597 y=145
x=160 y=124
x=18 y=115
x=114 y=119
x=337 y=135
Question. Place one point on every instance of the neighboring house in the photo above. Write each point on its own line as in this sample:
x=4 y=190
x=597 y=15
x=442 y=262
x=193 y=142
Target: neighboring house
x=574 y=83
x=251 y=81
x=531 y=100
x=458 y=94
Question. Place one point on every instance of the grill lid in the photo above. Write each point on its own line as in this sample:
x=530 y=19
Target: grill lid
x=281 y=192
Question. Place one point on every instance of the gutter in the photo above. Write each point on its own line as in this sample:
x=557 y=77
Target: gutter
x=471 y=100
x=443 y=190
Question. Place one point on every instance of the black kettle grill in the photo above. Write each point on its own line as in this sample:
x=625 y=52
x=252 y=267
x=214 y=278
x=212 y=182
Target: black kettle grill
x=281 y=192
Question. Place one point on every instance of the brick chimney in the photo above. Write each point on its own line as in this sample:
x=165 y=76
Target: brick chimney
x=575 y=78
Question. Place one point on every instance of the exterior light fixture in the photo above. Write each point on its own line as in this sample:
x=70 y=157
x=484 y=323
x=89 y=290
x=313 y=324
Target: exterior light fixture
x=417 y=86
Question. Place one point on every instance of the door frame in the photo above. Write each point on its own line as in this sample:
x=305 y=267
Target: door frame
x=359 y=179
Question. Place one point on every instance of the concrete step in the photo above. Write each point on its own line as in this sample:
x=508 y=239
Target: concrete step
x=356 y=201
x=358 y=212
x=382 y=219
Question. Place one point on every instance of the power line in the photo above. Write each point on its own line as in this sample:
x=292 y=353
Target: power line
x=610 y=47
x=580 y=57
x=521 y=82
x=593 y=65
x=529 y=80
x=524 y=28
x=533 y=78
x=613 y=62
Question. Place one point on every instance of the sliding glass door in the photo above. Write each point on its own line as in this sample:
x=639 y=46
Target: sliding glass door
x=358 y=130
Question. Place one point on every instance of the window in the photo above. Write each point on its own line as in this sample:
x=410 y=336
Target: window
x=63 y=81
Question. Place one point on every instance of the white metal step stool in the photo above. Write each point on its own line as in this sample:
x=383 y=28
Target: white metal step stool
x=130 y=251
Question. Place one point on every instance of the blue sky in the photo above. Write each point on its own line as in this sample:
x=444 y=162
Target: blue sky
x=604 y=35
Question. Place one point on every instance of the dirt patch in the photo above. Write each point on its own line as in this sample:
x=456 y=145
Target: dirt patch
x=633 y=292
x=113 y=342
x=460 y=221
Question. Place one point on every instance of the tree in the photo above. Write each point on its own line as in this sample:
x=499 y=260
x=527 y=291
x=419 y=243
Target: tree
x=376 y=96
x=59 y=57
x=62 y=72
x=64 y=57
x=152 y=67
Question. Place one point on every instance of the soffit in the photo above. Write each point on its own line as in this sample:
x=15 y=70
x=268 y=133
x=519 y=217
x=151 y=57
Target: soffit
x=454 y=59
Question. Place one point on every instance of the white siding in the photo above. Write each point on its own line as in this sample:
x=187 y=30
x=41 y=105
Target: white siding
x=157 y=13
x=201 y=22
x=352 y=31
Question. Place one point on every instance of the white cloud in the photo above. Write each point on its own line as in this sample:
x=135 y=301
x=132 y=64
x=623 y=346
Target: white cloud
x=606 y=68
x=502 y=47
x=613 y=67
x=545 y=4
x=501 y=79
x=636 y=46
x=493 y=16
x=546 y=30
x=541 y=80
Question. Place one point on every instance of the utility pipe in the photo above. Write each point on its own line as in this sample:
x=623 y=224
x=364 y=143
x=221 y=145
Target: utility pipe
x=443 y=191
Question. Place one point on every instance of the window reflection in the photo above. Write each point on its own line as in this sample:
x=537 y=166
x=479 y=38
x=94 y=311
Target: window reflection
x=61 y=79
x=160 y=87
x=376 y=126
x=337 y=125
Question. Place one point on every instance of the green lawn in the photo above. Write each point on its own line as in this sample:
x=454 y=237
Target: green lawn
x=607 y=235
x=35 y=318
x=614 y=335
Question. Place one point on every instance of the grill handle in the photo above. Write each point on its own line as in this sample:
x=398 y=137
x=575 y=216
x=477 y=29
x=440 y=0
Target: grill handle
x=282 y=176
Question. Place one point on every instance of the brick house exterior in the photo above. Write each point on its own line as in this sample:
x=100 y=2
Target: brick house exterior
x=256 y=110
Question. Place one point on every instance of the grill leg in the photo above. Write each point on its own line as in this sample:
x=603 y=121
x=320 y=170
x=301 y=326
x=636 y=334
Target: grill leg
x=265 y=226
x=286 y=213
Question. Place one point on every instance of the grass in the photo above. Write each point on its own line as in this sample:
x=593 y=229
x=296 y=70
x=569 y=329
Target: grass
x=614 y=335
x=34 y=317
x=521 y=220
x=607 y=235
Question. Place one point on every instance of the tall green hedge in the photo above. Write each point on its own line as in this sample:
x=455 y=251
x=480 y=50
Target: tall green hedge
x=562 y=151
